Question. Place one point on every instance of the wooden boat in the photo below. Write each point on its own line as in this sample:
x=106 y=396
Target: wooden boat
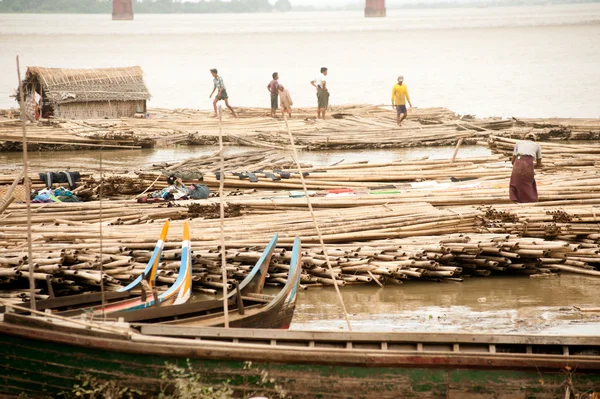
x=269 y=312
x=179 y=292
x=78 y=303
x=42 y=357
x=246 y=309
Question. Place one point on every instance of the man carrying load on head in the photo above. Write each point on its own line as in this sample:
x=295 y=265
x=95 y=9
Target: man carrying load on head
x=527 y=155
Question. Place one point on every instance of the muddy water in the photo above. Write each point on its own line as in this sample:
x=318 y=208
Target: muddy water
x=134 y=160
x=492 y=304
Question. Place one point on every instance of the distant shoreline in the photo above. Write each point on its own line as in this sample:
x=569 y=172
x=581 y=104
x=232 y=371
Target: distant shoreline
x=421 y=5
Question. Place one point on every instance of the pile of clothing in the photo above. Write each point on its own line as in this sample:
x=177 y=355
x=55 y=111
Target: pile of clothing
x=178 y=191
x=49 y=195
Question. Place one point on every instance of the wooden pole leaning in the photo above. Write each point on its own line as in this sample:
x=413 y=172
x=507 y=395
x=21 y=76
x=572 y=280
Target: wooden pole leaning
x=27 y=183
x=101 y=238
x=312 y=214
x=458 y=144
x=222 y=218
x=8 y=198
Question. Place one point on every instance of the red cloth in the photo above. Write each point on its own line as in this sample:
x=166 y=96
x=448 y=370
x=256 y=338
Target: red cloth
x=522 y=181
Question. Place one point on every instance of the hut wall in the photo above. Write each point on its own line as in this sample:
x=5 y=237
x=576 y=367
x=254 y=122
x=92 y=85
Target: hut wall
x=100 y=110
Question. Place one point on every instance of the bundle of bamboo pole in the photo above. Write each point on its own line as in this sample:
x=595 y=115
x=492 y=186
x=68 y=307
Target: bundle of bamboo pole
x=349 y=126
x=391 y=261
x=387 y=243
x=559 y=154
x=248 y=161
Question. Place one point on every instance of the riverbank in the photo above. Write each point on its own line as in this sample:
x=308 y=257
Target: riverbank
x=346 y=127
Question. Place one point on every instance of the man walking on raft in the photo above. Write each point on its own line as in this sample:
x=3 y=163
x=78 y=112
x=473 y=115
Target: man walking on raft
x=221 y=94
x=322 y=93
x=399 y=98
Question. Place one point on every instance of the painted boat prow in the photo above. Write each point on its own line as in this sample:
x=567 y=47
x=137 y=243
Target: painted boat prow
x=184 y=266
x=182 y=287
x=255 y=281
x=185 y=290
x=150 y=272
x=283 y=305
x=277 y=313
x=91 y=301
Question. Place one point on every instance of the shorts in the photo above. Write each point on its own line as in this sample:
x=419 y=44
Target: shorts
x=322 y=98
x=223 y=95
x=274 y=101
x=401 y=109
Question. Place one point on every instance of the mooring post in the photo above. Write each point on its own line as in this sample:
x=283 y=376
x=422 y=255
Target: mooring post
x=375 y=8
x=122 y=10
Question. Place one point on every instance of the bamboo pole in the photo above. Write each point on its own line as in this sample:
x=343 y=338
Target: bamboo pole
x=27 y=187
x=222 y=220
x=315 y=221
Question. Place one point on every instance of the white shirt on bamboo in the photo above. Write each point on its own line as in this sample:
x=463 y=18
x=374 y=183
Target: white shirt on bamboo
x=528 y=147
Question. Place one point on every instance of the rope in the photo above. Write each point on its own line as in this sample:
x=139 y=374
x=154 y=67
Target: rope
x=222 y=219
x=312 y=214
x=27 y=183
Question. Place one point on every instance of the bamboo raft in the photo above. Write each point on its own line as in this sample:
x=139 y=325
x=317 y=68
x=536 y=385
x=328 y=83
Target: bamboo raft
x=350 y=126
x=383 y=223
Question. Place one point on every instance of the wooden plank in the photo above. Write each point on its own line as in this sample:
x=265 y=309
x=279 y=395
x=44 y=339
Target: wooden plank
x=259 y=334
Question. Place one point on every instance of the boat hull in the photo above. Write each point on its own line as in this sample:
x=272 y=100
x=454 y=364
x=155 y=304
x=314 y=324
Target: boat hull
x=43 y=362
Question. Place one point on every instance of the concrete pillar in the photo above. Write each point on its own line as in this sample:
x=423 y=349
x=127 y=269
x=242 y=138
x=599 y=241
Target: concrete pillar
x=122 y=10
x=375 y=8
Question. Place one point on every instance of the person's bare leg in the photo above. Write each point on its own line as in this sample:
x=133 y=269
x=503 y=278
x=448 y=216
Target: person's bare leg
x=215 y=107
x=403 y=117
x=323 y=112
x=231 y=109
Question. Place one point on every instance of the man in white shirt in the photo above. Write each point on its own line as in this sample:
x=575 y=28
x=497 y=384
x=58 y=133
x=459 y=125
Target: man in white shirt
x=320 y=84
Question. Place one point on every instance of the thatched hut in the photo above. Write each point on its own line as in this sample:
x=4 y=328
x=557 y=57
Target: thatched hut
x=85 y=93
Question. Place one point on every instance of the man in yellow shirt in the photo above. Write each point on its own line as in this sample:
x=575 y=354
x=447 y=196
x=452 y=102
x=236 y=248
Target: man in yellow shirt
x=399 y=98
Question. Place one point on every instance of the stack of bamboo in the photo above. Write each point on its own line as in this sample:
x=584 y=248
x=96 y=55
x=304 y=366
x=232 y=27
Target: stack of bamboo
x=86 y=214
x=245 y=162
x=556 y=154
x=349 y=126
x=567 y=222
x=43 y=136
x=391 y=261
x=387 y=243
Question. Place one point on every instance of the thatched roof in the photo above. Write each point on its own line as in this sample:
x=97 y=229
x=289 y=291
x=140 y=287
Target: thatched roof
x=62 y=86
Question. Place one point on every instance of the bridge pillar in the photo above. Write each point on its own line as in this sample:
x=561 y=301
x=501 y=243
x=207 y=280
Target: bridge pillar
x=122 y=10
x=375 y=8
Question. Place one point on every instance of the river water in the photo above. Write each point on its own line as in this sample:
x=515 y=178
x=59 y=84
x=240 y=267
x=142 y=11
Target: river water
x=491 y=304
x=501 y=61
x=524 y=61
